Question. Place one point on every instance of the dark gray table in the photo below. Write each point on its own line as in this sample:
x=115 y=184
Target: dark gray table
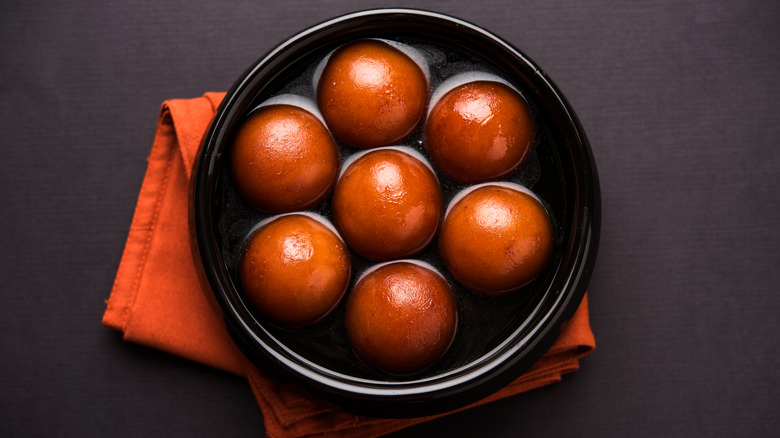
x=679 y=100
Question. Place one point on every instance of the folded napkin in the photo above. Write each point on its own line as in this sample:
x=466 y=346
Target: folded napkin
x=158 y=301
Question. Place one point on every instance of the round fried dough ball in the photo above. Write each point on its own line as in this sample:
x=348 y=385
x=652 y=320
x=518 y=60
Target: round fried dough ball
x=479 y=131
x=283 y=159
x=496 y=239
x=387 y=204
x=294 y=270
x=401 y=317
x=371 y=94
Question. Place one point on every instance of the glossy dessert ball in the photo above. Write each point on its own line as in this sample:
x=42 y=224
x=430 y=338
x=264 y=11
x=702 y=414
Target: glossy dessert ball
x=387 y=204
x=401 y=317
x=294 y=270
x=371 y=94
x=283 y=159
x=479 y=131
x=496 y=239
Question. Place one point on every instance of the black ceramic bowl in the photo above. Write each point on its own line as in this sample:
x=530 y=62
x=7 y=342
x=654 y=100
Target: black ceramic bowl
x=497 y=338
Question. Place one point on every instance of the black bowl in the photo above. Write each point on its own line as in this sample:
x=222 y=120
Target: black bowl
x=497 y=338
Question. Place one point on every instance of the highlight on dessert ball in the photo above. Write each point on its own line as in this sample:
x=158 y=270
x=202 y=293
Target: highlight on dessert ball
x=372 y=93
x=401 y=317
x=496 y=238
x=295 y=269
x=387 y=203
x=282 y=156
x=478 y=128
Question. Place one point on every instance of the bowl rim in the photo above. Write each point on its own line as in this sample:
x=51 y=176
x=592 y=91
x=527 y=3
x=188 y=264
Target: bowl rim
x=411 y=398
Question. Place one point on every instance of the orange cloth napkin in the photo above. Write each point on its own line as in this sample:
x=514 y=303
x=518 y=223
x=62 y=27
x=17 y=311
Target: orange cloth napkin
x=158 y=301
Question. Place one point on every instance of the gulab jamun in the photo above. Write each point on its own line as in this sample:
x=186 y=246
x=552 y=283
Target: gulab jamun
x=479 y=131
x=371 y=94
x=387 y=204
x=294 y=270
x=401 y=317
x=496 y=239
x=283 y=159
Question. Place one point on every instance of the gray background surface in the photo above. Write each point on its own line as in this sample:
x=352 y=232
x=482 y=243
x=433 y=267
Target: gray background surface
x=680 y=101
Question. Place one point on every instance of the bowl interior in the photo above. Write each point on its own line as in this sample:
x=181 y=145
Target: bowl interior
x=497 y=337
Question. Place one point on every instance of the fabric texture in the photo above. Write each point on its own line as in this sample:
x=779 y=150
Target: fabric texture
x=157 y=299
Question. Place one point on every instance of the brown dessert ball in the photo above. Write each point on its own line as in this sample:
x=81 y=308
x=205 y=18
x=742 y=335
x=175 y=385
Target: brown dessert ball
x=282 y=159
x=496 y=239
x=387 y=204
x=371 y=94
x=479 y=131
x=401 y=317
x=294 y=270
